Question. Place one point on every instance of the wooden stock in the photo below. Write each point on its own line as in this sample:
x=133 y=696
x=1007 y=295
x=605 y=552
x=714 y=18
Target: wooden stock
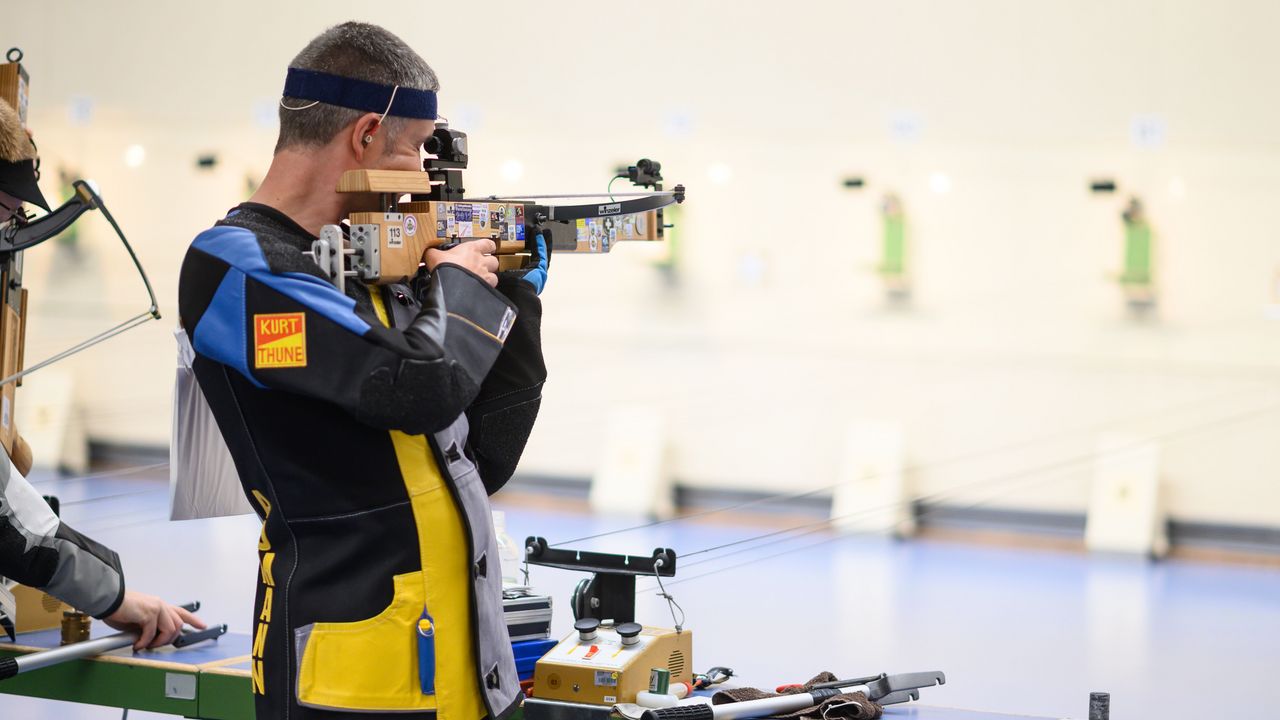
x=404 y=236
x=21 y=456
x=13 y=88
x=385 y=181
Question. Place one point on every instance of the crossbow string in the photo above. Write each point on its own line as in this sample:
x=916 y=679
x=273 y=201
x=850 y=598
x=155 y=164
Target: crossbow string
x=26 y=234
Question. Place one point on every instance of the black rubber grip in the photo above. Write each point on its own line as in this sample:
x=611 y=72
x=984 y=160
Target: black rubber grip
x=1099 y=706
x=8 y=667
x=191 y=638
x=699 y=711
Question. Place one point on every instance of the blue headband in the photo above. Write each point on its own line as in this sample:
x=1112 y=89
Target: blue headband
x=359 y=94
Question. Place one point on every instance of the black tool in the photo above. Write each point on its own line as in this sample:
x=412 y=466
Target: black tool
x=714 y=676
x=884 y=689
x=24 y=663
x=191 y=638
x=883 y=686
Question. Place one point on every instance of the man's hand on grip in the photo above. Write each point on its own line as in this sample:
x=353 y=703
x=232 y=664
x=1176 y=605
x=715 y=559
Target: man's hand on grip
x=474 y=255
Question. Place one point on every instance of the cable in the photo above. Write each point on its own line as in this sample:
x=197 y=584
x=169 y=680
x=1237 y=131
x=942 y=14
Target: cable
x=117 y=496
x=108 y=473
x=977 y=454
x=149 y=520
x=788 y=551
x=821 y=527
x=610 y=188
x=92 y=523
x=131 y=323
x=672 y=605
x=814 y=527
x=1058 y=464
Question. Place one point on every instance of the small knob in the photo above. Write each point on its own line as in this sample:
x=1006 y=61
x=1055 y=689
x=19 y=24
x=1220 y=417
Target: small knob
x=630 y=633
x=586 y=628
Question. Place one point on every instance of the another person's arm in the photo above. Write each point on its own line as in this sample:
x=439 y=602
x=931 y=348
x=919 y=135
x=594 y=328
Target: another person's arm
x=39 y=550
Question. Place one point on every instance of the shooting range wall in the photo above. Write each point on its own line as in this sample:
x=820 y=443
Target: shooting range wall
x=776 y=334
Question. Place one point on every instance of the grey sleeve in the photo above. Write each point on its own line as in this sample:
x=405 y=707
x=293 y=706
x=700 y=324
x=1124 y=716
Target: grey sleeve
x=39 y=550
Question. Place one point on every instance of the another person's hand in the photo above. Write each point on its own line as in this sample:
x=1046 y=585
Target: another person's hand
x=474 y=255
x=157 y=621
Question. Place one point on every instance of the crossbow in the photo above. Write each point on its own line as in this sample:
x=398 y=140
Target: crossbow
x=21 y=234
x=387 y=246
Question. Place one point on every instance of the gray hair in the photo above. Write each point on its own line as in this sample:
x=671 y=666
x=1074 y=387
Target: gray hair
x=355 y=50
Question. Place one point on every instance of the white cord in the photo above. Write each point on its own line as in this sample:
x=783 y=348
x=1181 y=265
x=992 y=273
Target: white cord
x=389 y=104
x=317 y=102
x=672 y=605
x=300 y=107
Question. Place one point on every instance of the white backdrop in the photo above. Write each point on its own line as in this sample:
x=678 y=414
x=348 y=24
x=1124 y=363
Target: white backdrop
x=776 y=335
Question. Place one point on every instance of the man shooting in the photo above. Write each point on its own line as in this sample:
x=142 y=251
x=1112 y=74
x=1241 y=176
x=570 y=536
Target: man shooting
x=367 y=428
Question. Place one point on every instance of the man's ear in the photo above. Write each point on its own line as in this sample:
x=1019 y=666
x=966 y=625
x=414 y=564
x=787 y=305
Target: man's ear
x=364 y=133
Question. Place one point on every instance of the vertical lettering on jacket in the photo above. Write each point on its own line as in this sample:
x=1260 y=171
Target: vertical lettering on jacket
x=262 y=623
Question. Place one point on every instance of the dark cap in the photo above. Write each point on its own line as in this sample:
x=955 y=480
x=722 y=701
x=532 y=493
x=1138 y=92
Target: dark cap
x=19 y=180
x=18 y=159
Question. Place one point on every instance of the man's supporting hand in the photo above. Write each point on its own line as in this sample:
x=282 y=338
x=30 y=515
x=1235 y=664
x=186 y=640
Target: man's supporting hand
x=157 y=621
x=537 y=275
x=474 y=255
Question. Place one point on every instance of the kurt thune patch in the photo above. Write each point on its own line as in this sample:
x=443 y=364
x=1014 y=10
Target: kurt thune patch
x=280 y=340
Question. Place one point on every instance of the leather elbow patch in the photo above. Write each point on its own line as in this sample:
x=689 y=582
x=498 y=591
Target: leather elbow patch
x=500 y=436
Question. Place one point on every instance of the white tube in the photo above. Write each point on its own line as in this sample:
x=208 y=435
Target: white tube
x=644 y=698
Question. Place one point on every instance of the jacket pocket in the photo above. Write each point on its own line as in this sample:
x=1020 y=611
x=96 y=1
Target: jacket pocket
x=369 y=665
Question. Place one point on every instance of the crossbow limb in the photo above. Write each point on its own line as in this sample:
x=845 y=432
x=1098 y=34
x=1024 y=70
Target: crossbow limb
x=19 y=238
x=14 y=240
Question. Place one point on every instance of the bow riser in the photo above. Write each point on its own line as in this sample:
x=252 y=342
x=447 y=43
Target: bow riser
x=13 y=325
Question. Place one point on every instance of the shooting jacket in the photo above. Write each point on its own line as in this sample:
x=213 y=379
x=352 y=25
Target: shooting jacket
x=37 y=549
x=368 y=430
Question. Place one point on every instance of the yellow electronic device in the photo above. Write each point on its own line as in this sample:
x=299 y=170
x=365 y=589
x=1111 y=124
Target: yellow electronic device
x=609 y=656
x=606 y=664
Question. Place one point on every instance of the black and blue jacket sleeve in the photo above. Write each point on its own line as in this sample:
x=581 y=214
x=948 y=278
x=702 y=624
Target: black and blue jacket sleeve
x=502 y=416
x=261 y=309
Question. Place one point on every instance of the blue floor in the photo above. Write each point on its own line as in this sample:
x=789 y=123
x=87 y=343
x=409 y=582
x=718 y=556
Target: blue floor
x=1018 y=631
